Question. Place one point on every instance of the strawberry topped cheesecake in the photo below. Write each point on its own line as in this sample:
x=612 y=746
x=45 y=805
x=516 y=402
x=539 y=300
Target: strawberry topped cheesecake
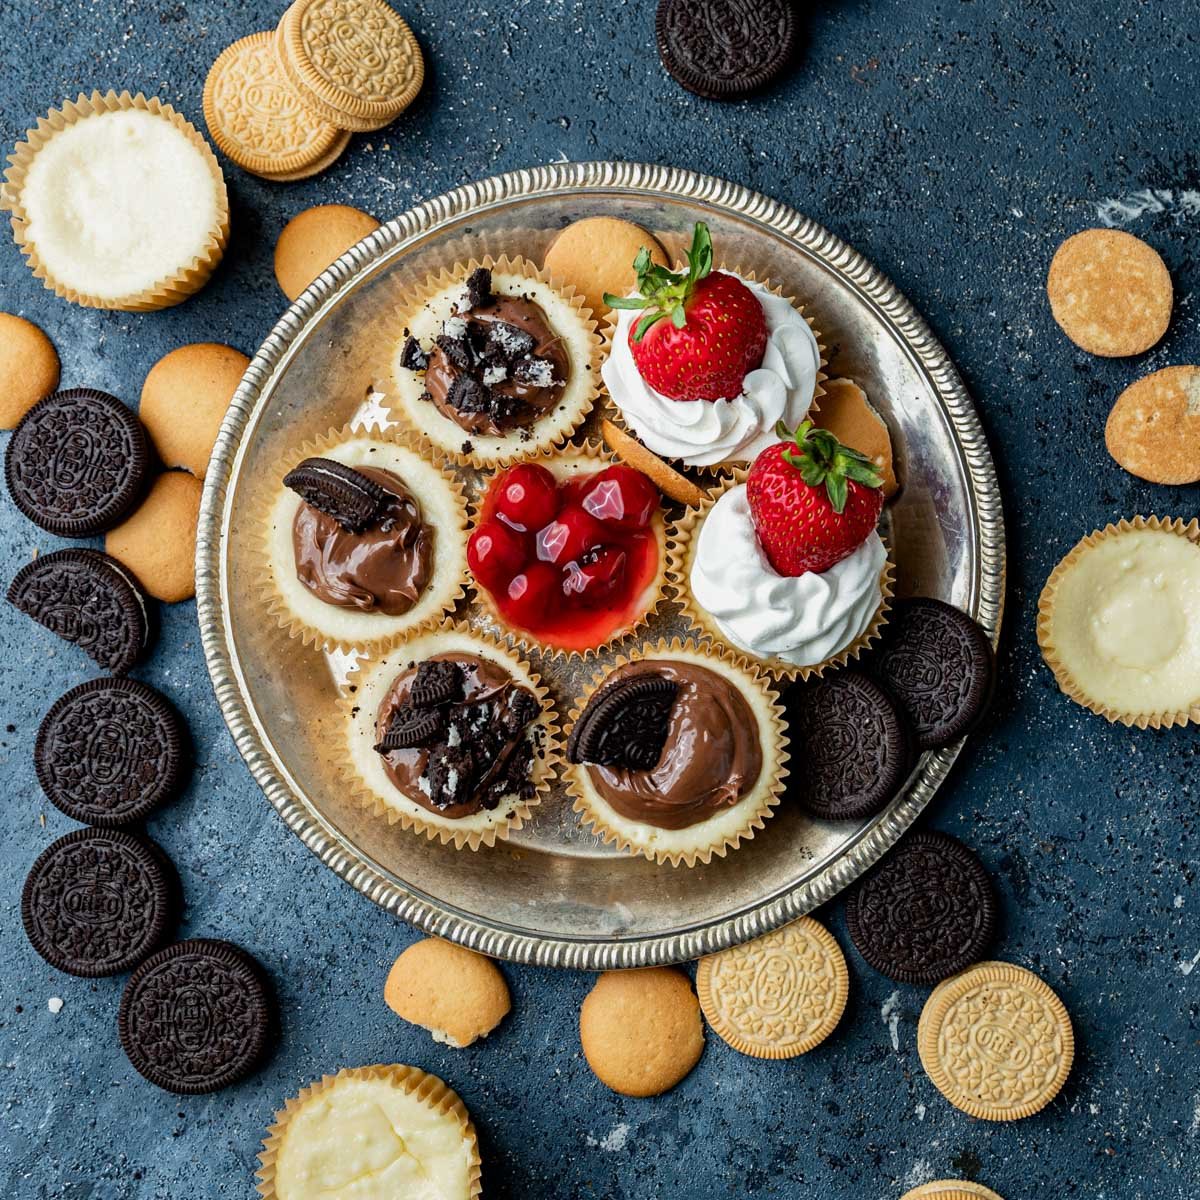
x=788 y=567
x=704 y=364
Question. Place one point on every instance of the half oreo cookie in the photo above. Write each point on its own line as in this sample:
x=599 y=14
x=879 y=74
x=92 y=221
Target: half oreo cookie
x=348 y=496
x=196 y=1017
x=939 y=665
x=926 y=912
x=725 y=49
x=110 y=751
x=851 y=743
x=87 y=598
x=77 y=462
x=625 y=723
x=98 y=901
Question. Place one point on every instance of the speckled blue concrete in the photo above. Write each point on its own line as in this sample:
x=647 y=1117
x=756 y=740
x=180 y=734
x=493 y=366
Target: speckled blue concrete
x=955 y=144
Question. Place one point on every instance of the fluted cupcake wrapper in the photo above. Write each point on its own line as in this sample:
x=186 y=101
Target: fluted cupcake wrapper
x=329 y=627
x=683 y=540
x=403 y=389
x=428 y=1089
x=364 y=773
x=190 y=277
x=716 y=835
x=561 y=463
x=1162 y=719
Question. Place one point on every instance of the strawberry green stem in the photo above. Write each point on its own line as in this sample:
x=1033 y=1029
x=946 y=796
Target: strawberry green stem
x=663 y=293
x=822 y=459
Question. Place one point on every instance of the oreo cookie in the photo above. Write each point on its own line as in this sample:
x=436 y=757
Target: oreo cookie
x=351 y=498
x=926 y=912
x=939 y=665
x=437 y=681
x=77 y=462
x=625 y=724
x=852 y=743
x=98 y=901
x=196 y=1017
x=478 y=293
x=725 y=49
x=87 y=598
x=411 y=728
x=110 y=751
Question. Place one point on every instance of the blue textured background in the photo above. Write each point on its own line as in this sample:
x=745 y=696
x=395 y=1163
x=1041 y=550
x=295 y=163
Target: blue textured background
x=955 y=144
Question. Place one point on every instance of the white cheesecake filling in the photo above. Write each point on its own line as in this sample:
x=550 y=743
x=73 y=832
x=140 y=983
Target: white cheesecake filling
x=702 y=433
x=118 y=202
x=802 y=619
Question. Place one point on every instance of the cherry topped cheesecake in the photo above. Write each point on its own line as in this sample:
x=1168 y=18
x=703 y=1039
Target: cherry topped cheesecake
x=569 y=553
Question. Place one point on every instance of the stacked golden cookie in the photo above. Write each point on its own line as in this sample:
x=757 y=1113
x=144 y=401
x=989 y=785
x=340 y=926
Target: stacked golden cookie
x=282 y=105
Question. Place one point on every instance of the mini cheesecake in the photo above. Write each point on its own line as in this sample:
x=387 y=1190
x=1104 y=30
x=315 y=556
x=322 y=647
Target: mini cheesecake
x=677 y=755
x=495 y=363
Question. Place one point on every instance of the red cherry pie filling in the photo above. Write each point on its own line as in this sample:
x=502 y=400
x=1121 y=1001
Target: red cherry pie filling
x=571 y=552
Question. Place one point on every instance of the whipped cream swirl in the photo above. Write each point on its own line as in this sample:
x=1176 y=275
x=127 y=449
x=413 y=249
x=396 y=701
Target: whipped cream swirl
x=702 y=433
x=803 y=620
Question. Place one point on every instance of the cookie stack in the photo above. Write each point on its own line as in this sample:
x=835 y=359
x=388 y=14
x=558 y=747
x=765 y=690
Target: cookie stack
x=282 y=105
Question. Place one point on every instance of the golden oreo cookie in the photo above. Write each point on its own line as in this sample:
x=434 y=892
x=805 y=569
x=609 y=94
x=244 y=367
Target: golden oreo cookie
x=259 y=122
x=641 y=1030
x=313 y=239
x=1153 y=430
x=996 y=1042
x=28 y=368
x=355 y=63
x=951 y=1189
x=1110 y=293
x=779 y=995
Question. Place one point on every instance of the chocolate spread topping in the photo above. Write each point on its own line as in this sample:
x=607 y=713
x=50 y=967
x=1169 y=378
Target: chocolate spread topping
x=480 y=752
x=711 y=759
x=497 y=367
x=384 y=568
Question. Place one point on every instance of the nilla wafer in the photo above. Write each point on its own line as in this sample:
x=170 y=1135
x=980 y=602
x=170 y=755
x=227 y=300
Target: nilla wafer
x=158 y=542
x=1153 y=430
x=847 y=413
x=315 y=238
x=596 y=256
x=666 y=479
x=29 y=368
x=456 y=994
x=1110 y=292
x=641 y=1030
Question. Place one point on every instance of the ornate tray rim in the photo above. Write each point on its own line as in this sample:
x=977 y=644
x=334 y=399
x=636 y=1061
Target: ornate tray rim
x=392 y=239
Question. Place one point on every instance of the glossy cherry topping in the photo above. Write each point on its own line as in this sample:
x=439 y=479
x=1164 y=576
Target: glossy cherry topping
x=567 y=560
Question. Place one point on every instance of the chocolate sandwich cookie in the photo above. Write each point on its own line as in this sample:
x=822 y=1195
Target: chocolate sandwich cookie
x=854 y=745
x=76 y=463
x=625 y=724
x=110 y=751
x=98 y=901
x=926 y=912
x=351 y=498
x=725 y=49
x=87 y=598
x=939 y=665
x=196 y=1017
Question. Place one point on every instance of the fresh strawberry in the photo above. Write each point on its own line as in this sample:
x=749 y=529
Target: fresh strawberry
x=716 y=333
x=813 y=501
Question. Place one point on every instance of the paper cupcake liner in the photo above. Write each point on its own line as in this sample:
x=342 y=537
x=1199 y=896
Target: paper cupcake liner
x=334 y=104
x=723 y=835
x=429 y=1089
x=682 y=542
x=403 y=389
x=450 y=557
x=559 y=462
x=1165 y=719
x=380 y=796
x=189 y=278
x=609 y=333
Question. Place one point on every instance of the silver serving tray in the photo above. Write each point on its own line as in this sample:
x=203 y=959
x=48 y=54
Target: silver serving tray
x=554 y=895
